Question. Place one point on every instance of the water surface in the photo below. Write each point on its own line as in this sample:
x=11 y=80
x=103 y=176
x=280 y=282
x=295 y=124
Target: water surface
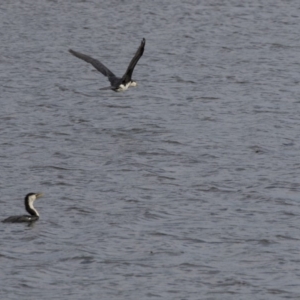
x=185 y=187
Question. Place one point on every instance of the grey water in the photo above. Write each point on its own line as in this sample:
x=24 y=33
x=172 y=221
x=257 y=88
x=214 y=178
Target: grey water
x=184 y=187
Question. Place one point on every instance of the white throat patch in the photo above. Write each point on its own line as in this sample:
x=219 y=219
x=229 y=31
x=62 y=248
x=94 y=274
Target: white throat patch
x=31 y=199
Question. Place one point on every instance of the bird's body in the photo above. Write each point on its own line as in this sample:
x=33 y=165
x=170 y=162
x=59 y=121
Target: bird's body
x=33 y=213
x=117 y=84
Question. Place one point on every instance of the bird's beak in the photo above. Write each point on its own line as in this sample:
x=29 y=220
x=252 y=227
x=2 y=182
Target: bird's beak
x=39 y=195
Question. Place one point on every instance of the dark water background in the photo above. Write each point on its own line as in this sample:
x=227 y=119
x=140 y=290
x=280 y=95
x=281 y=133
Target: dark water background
x=185 y=187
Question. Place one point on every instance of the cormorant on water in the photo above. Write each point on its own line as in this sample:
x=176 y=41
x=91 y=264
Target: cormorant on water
x=33 y=213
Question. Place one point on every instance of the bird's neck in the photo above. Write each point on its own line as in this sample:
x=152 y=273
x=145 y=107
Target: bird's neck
x=30 y=209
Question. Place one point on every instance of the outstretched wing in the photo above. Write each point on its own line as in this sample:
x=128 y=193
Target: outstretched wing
x=127 y=76
x=95 y=63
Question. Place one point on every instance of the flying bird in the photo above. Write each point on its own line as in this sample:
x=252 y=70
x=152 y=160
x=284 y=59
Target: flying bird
x=117 y=84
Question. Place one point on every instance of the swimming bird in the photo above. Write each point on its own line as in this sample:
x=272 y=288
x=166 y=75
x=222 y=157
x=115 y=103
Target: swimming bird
x=117 y=84
x=33 y=213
